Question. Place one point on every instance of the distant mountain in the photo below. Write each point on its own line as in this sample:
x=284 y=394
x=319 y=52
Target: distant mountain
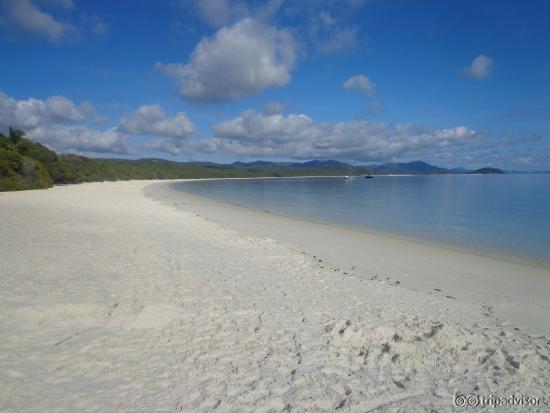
x=415 y=168
x=308 y=164
x=333 y=167
x=320 y=164
x=28 y=165
x=256 y=164
x=486 y=171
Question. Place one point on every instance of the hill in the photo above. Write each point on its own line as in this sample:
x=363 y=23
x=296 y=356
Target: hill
x=414 y=168
x=29 y=165
x=486 y=171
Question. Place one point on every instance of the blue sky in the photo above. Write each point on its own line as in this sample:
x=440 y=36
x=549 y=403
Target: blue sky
x=462 y=83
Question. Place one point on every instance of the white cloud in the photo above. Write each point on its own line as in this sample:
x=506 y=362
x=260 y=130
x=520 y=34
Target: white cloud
x=323 y=26
x=80 y=139
x=62 y=109
x=151 y=120
x=238 y=61
x=62 y=125
x=52 y=122
x=253 y=134
x=26 y=17
x=255 y=127
x=171 y=146
x=360 y=83
x=31 y=113
x=481 y=68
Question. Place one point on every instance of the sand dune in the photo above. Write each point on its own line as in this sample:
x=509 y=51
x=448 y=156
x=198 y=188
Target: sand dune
x=115 y=301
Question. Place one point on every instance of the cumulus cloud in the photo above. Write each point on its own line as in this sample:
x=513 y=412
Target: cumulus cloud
x=80 y=139
x=254 y=134
x=62 y=125
x=360 y=83
x=151 y=120
x=24 y=16
x=56 y=121
x=480 y=68
x=238 y=61
x=171 y=146
x=31 y=113
x=322 y=26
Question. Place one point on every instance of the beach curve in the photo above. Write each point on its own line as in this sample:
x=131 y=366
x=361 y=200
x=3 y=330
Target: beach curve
x=117 y=301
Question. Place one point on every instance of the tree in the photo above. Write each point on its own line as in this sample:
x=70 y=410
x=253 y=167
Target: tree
x=4 y=141
x=16 y=135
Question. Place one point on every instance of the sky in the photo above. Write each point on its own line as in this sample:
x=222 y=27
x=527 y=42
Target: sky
x=454 y=83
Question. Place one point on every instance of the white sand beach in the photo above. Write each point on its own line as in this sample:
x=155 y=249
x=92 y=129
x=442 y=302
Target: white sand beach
x=129 y=297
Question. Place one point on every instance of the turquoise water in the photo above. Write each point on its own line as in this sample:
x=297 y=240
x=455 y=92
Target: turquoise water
x=503 y=214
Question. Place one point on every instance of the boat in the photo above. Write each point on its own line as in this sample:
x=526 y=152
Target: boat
x=349 y=175
x=369 y=177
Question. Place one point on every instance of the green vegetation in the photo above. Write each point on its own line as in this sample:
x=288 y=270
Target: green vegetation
x=20 y=165
x=29 y=165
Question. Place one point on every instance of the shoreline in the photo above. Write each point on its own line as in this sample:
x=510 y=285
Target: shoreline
x=485 y=253
x=473 y=278
x=130 y=297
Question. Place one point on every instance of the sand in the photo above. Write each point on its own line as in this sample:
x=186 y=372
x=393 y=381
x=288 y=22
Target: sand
x=128 y=297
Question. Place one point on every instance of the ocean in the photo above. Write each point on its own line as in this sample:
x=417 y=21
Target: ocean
x=488 y=214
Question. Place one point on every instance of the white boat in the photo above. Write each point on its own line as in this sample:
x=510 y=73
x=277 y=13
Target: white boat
x=349 y=175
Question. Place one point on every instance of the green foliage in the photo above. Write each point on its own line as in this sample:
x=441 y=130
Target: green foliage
x=57 y=167
x=36 y=151
x=11 y=183
x=16 y=135
x=35 y=175
x=10 y=161
x=4 y=142
x=29 y=165
x=19 y=172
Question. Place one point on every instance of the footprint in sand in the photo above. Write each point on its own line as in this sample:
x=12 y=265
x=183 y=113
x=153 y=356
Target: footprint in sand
x=157 y=316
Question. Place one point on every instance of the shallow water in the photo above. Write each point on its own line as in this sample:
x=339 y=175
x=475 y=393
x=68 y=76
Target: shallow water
x=503 y=214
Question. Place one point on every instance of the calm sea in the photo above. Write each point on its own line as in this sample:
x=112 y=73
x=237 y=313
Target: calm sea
x=503 y=214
